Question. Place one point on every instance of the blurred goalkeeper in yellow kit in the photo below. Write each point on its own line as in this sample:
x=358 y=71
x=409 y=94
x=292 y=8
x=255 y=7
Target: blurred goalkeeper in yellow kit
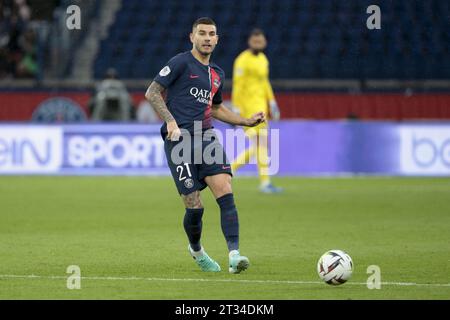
x=251 y=93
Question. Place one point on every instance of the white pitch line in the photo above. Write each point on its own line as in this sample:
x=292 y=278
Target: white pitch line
x=11 y=276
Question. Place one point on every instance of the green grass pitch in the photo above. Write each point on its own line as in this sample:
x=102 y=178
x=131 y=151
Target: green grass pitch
x=126 y=235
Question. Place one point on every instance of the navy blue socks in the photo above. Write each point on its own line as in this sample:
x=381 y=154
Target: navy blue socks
x=193 y=226
x=229 y=221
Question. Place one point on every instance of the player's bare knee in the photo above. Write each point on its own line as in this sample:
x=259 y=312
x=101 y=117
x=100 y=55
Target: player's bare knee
x=223 y=187
x=227 y=187
x=224 y=191
x=192 y=200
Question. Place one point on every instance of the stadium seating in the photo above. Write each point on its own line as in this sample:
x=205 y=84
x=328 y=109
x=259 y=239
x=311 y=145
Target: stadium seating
x=307 y=38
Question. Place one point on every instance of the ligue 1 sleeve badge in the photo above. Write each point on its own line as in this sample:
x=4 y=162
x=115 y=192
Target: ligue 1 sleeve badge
x=164 y=71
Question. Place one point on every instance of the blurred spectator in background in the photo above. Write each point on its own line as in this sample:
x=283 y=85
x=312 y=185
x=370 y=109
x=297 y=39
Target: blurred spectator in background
x=146 y=114
x=111 y=101
x=27 y=67
x=18 y=42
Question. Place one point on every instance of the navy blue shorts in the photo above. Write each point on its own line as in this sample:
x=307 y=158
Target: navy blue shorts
x=189 y=174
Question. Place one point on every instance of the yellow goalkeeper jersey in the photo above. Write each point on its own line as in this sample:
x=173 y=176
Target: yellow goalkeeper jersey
x=251 y=90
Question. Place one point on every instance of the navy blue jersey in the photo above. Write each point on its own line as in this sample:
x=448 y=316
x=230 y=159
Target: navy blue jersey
x=192 y=88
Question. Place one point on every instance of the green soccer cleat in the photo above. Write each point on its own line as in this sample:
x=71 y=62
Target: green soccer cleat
x=238 y=263
x=204 y=261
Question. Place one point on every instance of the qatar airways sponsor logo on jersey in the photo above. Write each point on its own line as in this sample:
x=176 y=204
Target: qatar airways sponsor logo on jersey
x=201 y=95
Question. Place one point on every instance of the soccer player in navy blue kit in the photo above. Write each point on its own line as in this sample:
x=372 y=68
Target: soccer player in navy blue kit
x=193 y=86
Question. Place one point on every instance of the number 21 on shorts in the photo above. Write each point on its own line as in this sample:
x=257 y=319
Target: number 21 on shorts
x=180 y=170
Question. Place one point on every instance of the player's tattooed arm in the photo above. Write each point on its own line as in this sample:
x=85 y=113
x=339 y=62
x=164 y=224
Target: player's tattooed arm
x=222 y=113
x=154 y=97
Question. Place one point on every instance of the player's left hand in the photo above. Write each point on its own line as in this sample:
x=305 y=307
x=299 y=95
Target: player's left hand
x=256 y=119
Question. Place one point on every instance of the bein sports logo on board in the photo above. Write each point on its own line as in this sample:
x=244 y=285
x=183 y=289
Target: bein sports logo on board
x=114 y=151
x=30 y=149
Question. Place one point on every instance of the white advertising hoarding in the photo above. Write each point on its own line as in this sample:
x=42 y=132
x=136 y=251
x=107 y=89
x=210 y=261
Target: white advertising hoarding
x=30 y=149
x=425 y=150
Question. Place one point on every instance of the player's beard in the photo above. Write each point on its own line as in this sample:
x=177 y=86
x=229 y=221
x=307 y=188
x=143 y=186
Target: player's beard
x=203 y=53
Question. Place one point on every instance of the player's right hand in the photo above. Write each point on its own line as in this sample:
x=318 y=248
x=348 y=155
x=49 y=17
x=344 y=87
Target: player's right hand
x=173 y=132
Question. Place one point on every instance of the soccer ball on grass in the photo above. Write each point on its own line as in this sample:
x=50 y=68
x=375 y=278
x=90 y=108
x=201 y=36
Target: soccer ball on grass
x=335 y=267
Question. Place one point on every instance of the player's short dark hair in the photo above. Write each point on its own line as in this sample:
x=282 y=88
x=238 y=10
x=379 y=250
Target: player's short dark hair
x=203 y=20
x=256 y=32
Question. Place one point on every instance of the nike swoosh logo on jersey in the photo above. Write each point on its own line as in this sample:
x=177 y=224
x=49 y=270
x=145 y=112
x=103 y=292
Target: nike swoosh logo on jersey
x=193 y=76
x=223 y=167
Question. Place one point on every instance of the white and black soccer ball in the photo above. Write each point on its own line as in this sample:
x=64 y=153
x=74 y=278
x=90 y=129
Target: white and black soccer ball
x=335 y=267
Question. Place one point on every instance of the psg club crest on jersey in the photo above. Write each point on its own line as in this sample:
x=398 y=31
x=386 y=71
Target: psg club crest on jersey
x=216 y=83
